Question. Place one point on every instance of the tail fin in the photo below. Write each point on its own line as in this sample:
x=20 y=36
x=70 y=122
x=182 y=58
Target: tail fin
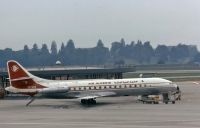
x=16 y=71
x=20 y=78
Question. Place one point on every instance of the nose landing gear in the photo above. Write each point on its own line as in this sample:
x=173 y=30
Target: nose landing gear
x=167 y=97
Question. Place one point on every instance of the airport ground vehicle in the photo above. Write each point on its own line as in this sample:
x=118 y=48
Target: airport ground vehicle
x=150 y=99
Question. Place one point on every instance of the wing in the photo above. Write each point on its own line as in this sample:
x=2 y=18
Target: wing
x=95 y=95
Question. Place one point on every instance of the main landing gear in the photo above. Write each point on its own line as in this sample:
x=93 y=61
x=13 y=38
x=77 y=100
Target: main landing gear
x=88 y=101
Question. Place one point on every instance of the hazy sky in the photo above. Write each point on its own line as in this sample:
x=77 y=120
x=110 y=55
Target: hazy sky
x=85 y=21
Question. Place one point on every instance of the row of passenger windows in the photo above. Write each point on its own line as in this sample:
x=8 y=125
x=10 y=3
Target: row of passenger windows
x=108 y=87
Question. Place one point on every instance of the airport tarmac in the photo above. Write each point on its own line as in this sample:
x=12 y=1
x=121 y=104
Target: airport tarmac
x=116 y=112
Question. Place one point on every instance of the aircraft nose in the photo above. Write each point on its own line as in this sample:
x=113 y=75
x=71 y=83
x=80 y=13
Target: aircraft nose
x=178 y=92
x=175 y=85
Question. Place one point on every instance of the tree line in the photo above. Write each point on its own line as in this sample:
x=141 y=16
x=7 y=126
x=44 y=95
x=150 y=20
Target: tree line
x=120 y=53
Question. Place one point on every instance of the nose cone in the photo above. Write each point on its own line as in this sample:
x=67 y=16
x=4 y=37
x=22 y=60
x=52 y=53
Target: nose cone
x=178 y=89
x=175 y=85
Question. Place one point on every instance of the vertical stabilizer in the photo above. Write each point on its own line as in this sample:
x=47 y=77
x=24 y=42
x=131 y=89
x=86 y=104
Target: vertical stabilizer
x=21 y=79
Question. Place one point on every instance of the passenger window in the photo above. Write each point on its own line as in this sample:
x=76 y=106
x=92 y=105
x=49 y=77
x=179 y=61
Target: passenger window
x=127 y=86
x=81 y=88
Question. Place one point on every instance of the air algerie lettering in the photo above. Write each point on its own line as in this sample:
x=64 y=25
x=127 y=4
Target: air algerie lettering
x=115 y=82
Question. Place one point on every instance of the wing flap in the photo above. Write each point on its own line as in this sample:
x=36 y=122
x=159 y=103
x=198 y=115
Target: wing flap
x=95 y=95
x=54 y=90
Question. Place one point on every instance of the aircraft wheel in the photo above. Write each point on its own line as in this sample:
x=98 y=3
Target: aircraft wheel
x=165 y=98
x=89 y=101
x=173 y=102
x=83 y=101
x=155 y=102
x=92 y=101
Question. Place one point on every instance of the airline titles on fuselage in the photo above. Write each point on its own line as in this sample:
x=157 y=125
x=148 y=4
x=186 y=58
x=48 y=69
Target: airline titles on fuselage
x=115 y=82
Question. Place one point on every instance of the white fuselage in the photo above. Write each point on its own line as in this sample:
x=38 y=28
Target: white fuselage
x=119 y=87
x=23 y=82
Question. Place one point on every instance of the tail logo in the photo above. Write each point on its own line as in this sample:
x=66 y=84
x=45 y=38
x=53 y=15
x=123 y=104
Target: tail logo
x=14 y=68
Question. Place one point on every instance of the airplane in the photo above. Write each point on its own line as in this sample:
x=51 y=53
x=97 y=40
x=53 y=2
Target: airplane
x=23 y=82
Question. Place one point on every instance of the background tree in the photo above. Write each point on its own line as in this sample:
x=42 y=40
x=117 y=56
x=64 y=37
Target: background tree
x=54 y=50
x=44 y=56
x=26 y=54
x=99 y=54
x=54 y=53
x=120 y=53
x=147 y=52
x=61 y=53
x=69 y=53
x=162 y=54
x=35 y=53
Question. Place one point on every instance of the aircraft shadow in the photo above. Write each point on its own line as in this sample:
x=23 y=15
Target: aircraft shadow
x=72 y=105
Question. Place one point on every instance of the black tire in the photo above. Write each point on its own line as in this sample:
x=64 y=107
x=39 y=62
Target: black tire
x=88 y=102
x=155 y=102
x=83 y=101
x=94 y=101
x=173 y=102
